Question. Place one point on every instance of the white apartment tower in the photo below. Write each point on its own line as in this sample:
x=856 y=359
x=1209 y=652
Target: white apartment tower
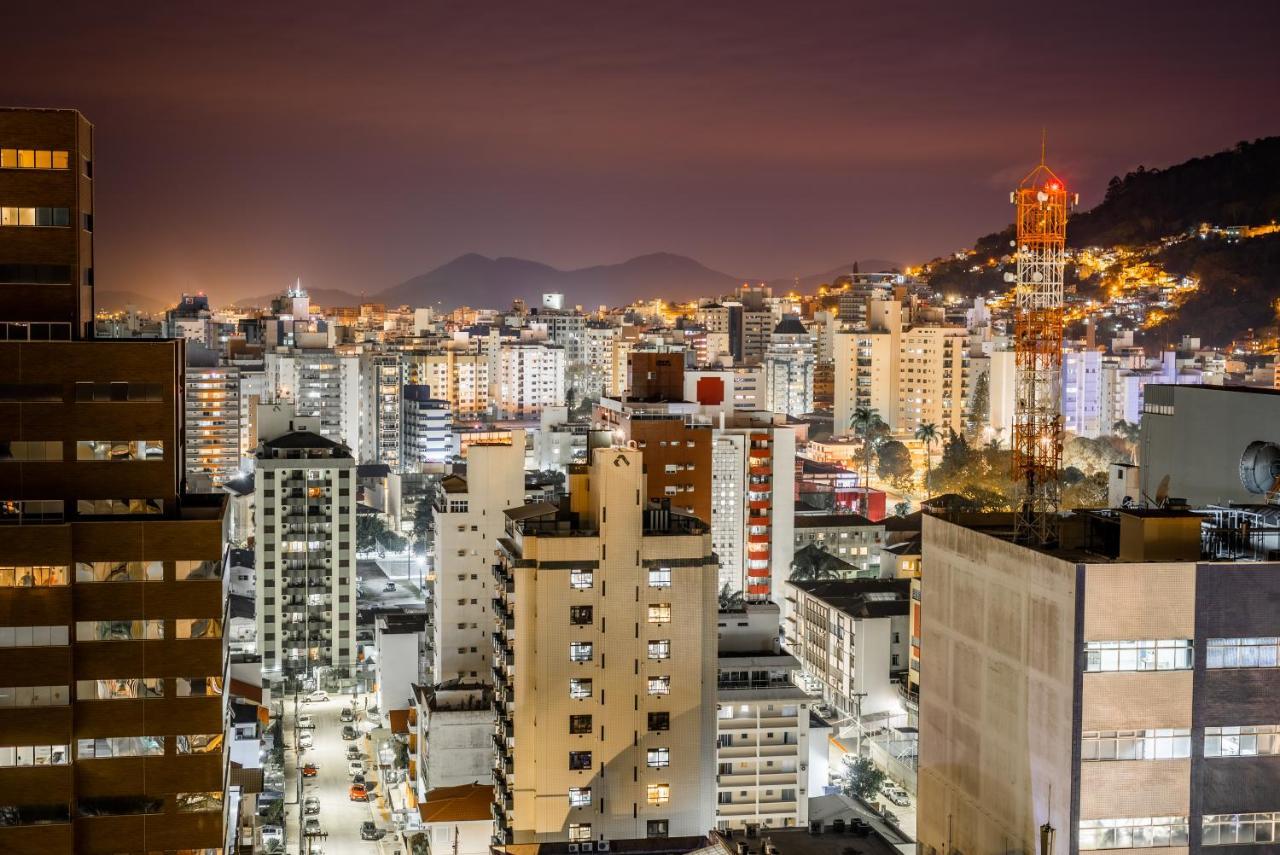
x=324 y=387
x=529 y=375
x=605 y=661
x=381 y=385
x=789 y=365
x=213 y=420
x=305 y=554
x=468 y=521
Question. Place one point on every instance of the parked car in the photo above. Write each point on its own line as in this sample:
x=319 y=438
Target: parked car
x=354 y=752
x=370 y=831
x=305 y=720
x=310 y=770
x=311 y=805
x=349 y=732
x=355 y=767
x=305 y=739
x=358 y=793
x=897 y=795
x=389 y=587
x=312 y=826
x=316 y=697
x=346 y=714
x=358 y=778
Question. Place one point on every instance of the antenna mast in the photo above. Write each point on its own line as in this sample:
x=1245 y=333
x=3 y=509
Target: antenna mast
x=1042 y=205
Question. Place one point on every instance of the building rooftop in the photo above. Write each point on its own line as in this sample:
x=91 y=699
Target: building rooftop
x=862 y=598
x=790 y=325
x=833 y=521
x=305 y=440
x=464 y=803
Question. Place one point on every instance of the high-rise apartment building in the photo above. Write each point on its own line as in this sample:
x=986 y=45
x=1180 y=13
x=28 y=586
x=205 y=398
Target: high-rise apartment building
x=468 y=520
x=305 y=554
x=789 y=365
x=213 y=420
x=381 y=385
x=455 y=374
x=111 y=586
x=1121 y=687
x=527 y=376
x=605 y=665
x=427 y=429
x=910 y=373
x=323 y=385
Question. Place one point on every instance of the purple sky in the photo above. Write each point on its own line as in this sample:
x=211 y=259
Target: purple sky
x=248 y=144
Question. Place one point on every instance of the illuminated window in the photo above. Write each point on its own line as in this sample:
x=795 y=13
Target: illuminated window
x=120 y=450
x=581 y=579
x=119 y=507
x=1242 y=741
x=119 y=746
x=660 y=577
x=119 y=571
x=191 y=687
x=580 y=724
x=22 y=216
x=32 y=576
x=123 y=688
x=33 y=636
x=659 y=685
x=579 y=796
x=198 y=570
x=580 y=651
x=580 y=687
x=659 y=613
x=658 y=794
x=25 y=158
x=1133 y=832
x=660 y=649
x=34 y=696
x=1157 y=655
x=1157 y=744
x=658 y=758
x=1242 y=653
x=119 y=630
x=33 y=755
x=579 y=831
x=1235 y=829
x=198 y=628
x=579 y=760
x=210 y=802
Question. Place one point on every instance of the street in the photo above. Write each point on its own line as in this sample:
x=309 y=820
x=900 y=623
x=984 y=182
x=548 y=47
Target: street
x=340 y=818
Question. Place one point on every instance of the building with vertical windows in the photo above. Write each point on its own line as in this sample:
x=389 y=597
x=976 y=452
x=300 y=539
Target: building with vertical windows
x=468 y=520
x=112 y=658
x=604 y=635
x=789 y=365
x=323 y=385
x=851 y=537
x=1133 y=671
x=213 y=420
x=305 y=552
x=527 y=376
x=381 y=428
x=426 y=429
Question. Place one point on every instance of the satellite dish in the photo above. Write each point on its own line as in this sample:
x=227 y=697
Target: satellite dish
x=1260 y=467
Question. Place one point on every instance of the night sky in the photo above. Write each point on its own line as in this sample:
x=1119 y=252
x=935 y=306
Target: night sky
x=358 y=144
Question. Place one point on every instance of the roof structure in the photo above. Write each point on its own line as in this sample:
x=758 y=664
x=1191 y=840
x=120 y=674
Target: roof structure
x=464 y=803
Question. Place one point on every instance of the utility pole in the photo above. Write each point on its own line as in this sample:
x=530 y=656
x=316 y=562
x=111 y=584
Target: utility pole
x=857 y=717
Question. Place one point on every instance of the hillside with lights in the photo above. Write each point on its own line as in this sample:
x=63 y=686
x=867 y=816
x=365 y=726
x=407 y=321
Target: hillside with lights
x=1192 y=249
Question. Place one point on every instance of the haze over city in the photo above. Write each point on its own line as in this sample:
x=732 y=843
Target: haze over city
x=764 y=140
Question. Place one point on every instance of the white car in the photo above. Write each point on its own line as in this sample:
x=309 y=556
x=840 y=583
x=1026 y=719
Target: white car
x=355 y=767
x=316 y=697
x=897 y=795
x=304 y=739
x=305 y=720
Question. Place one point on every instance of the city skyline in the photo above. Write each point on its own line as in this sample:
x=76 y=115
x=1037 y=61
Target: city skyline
x=761 y=142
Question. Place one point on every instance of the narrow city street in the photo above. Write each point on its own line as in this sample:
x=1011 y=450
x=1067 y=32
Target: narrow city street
x=339 y=817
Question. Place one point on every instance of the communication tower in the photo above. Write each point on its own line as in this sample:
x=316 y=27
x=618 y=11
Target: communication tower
x=1042 y=205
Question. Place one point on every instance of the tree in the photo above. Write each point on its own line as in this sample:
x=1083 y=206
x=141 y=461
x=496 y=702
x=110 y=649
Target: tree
x=928 y=434
x=861 y=778
x=730 y=600
x=423 y=515
x=901 y=509
x=980 y=402
x=392 y=541
x=812 y=563
x=368 y=529
x=894 y=462
x=867 y=424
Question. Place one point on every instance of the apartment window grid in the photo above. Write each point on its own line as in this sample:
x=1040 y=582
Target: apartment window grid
x=1175 y=654
x=1242 y=741
x=579 y=796
x=1242 y=653
x=579 y=831
x=1155 y=744
x=581 y=651
x=660 y=649
x=1235 y=829
x=658 y=758
x=1133 y=832
x=580 y=688
x=658 y=794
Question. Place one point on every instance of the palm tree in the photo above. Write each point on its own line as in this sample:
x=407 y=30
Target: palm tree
x=730 y=600
x=928 y=434
x=865 y=421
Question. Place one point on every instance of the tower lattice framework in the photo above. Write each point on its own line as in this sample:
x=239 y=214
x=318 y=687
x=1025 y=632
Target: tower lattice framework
x=1042 y=205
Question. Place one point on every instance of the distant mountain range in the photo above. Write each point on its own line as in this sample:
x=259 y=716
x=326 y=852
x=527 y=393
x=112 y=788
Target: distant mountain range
x=477 y=280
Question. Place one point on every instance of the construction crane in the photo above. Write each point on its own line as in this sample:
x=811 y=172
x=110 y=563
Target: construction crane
x=1042 y=205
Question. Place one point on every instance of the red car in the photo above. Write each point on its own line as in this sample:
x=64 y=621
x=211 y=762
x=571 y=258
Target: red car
x=310 y=770
x=359 y=793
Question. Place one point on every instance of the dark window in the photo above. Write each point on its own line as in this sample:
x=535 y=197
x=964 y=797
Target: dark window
x=656 y=828
x=580 y=724
x=580 y=615
x=579 y=760
x=659 y=721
